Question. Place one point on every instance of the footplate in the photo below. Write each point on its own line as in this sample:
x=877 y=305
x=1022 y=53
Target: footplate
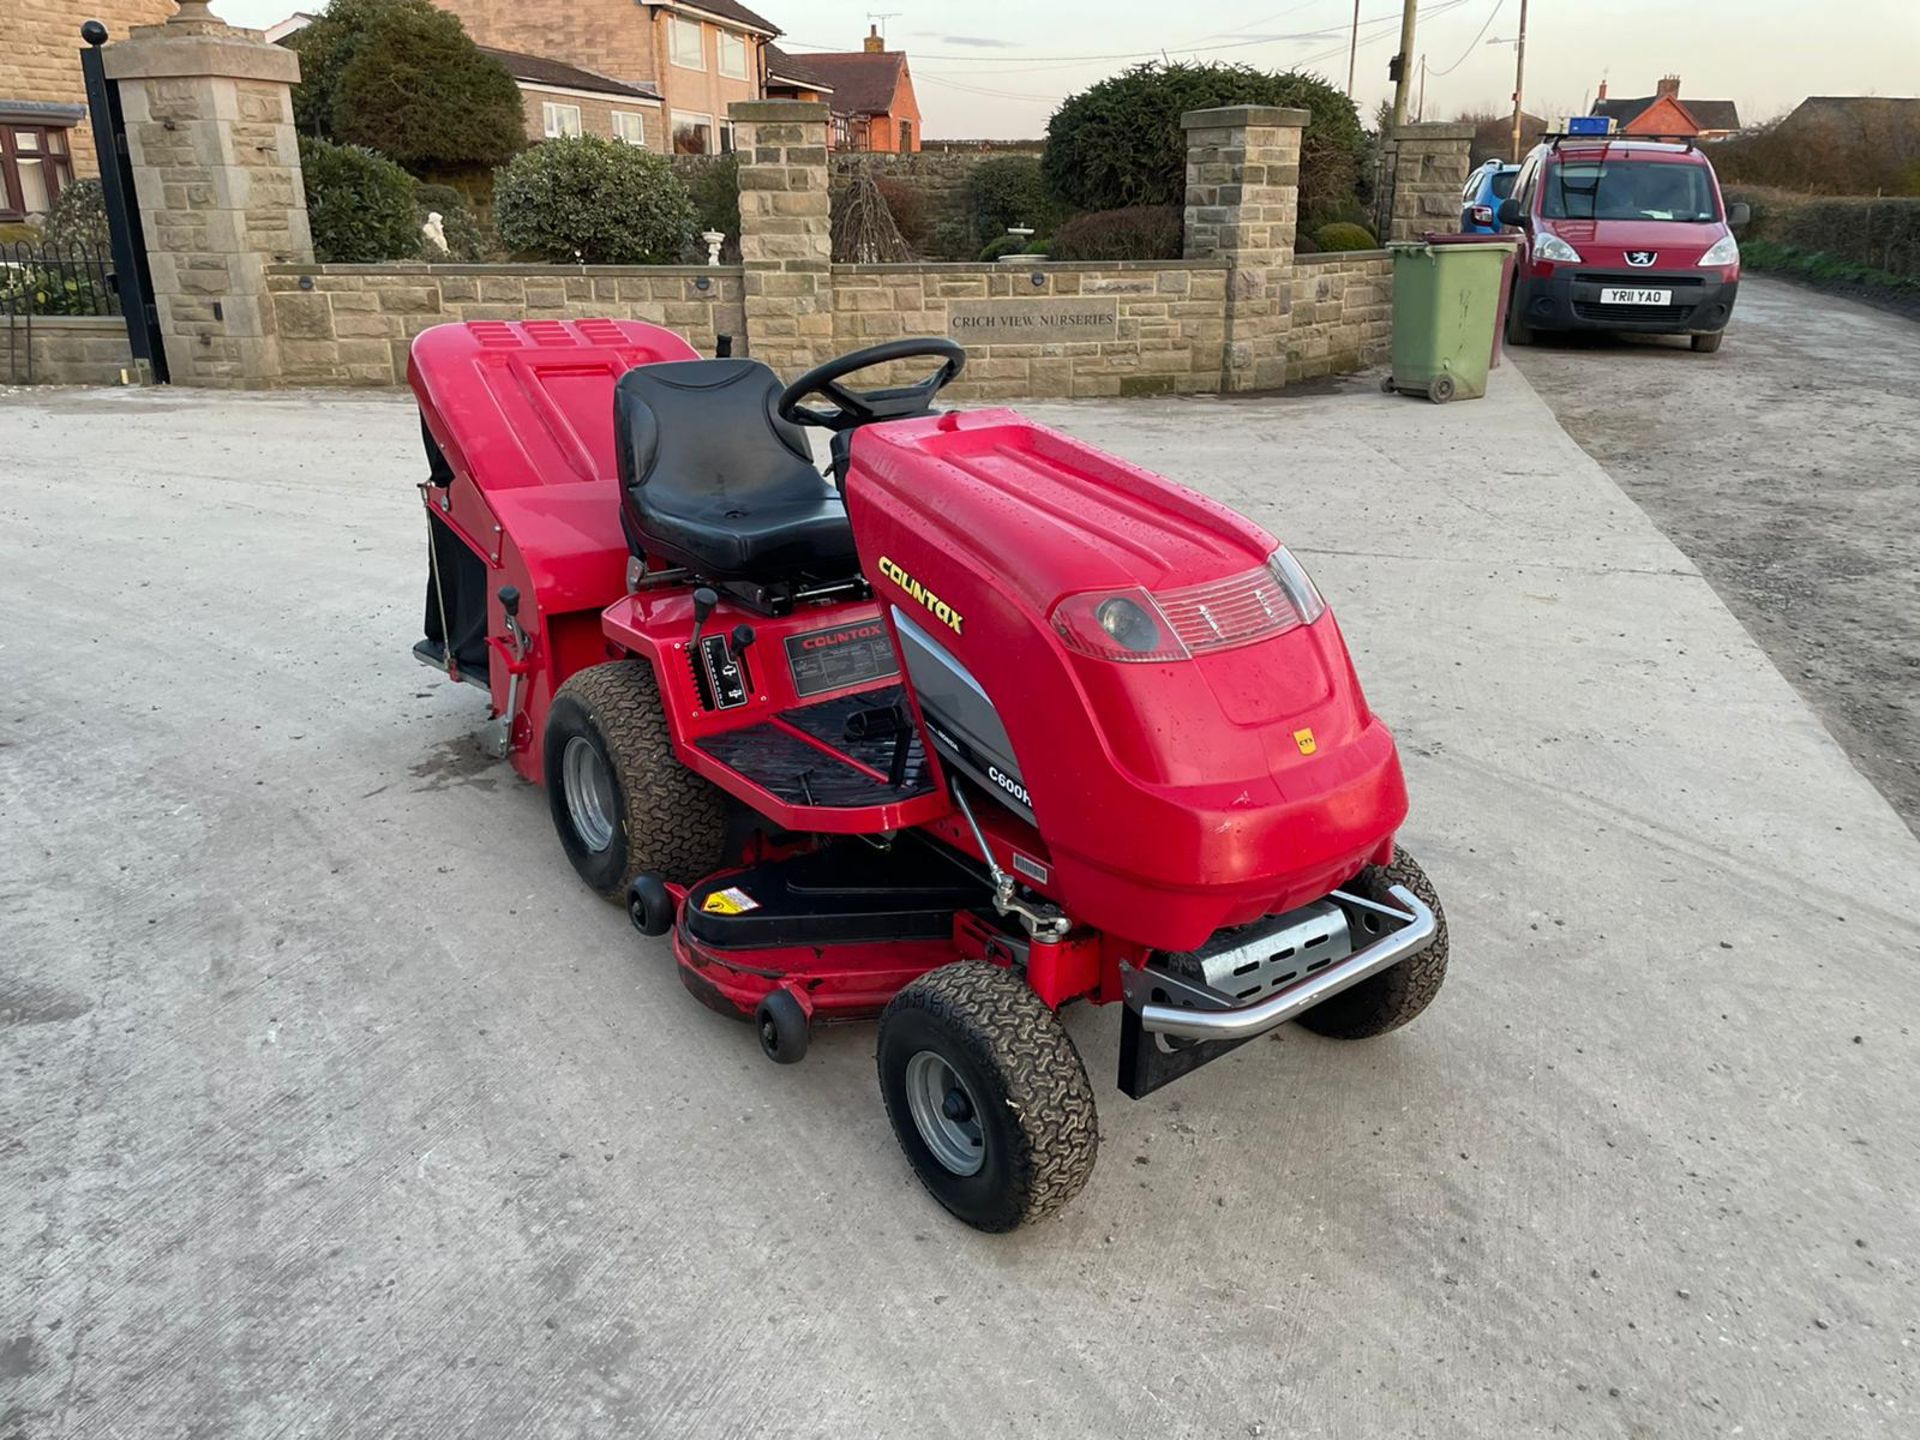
x=1255 y=979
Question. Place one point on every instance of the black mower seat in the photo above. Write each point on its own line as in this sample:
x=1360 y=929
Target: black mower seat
x=714 y=480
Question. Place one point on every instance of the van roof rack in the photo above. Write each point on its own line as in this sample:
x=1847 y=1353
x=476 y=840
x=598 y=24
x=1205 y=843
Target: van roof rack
x=1553 y=138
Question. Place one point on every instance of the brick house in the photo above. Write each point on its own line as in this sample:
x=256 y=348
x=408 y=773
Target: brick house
x=563 y=99
x=1665 y=113
x=698 y=56
x=870 y=91
x=45 y=138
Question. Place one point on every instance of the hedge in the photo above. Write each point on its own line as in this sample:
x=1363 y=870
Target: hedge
x=1881 y=234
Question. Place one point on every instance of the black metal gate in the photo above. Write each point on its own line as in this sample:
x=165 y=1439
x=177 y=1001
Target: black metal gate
x=131 y=278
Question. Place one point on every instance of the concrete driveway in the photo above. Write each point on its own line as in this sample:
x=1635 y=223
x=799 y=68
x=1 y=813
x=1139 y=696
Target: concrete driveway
x=1788 y=466
x=334 y=1105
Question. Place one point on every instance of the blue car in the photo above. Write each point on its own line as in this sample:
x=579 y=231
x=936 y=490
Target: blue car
x=1480 y=200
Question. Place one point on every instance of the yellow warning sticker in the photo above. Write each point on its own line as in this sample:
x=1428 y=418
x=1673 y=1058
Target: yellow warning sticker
x=731 y=901
x=1304 y=739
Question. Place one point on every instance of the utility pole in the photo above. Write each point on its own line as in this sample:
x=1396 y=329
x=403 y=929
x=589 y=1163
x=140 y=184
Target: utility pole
x=1353 y=50
x=1402 y=68
x=1519 y=78
x=1422 y=109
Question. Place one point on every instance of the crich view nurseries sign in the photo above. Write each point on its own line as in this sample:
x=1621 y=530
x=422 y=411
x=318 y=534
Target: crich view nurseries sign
x=1066 y=318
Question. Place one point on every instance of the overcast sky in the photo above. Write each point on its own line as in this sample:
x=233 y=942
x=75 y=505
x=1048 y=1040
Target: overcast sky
x=996 y=68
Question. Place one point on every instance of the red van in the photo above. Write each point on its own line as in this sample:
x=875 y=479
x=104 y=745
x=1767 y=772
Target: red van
x=1621 y=234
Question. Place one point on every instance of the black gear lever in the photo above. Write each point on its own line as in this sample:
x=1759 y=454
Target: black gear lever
x=704 y=601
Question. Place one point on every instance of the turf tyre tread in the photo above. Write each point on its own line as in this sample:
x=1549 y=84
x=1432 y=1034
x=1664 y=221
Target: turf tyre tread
x=672 y=821
x=1018 y=1053
x=1393 y=997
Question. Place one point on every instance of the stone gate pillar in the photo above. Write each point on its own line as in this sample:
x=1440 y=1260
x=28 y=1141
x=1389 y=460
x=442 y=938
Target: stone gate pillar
x=786 y=232
x=1430 y=164
x=216 y=169
x=1243 y=184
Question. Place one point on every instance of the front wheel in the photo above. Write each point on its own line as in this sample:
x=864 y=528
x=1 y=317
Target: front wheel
x=622 y=804
x=1518 y=331
x=987 y=1095
x=1390 y=999
x=1707 y=344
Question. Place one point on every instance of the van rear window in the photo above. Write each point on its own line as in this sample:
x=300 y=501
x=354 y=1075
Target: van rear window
x=1627 y=190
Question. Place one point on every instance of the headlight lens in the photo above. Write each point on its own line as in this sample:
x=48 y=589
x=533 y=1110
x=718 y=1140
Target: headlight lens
x=1725 y=251
x=1552 y=247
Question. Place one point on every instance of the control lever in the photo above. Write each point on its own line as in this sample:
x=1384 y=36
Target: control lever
x=704 y=601
x=743 y=638
x=496 y=736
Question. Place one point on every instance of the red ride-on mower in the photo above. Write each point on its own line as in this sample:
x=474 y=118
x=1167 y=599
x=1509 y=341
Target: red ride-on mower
x=982 y=723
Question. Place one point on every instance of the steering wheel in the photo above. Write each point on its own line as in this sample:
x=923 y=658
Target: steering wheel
x=854 y=408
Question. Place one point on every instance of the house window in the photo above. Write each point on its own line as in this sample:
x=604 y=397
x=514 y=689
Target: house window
x=726 y=137
x=906 y=137
x=686 y=46
x=630 y=127
x=733 y=55
x=561 y=120
x=34 y=165
x=842 y=133
x=692 y=134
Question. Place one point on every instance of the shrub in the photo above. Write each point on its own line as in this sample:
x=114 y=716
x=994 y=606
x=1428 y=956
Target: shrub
x=15 y=233
x=1862 y=145
x=49 y=290
x=714 y=184
x=360 y=205
x=1007 y=191
x=908 y=206
x=594 y=202
x=468 y=242
x=79 y=217
x=1342 y=235
x=422 y=93
x=404 y=78
x=1139 y=232
x=1303 y=244
x=1119 y=142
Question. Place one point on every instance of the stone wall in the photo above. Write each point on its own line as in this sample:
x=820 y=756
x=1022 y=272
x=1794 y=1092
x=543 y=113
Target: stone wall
x=216 y=170
x=1429 y=169
x=1342 y=313
x=353 y=324
x=64 y=350
x=1149 y=327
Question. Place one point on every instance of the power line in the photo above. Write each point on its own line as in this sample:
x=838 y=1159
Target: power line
x=1473 y=44
x=1143 y=54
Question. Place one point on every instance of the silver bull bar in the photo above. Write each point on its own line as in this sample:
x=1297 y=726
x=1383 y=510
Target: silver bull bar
x=1200 y=1013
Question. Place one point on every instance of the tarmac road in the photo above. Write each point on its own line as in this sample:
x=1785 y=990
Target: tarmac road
x=334 y=1106
x=1787 y=466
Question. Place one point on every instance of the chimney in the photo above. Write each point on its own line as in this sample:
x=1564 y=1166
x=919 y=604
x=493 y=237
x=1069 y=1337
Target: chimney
x=1603 y=90
x=1668 y=88
x=875 y=44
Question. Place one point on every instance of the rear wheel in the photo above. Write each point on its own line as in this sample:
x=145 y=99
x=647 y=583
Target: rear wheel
x=987 y=1095
x=622 y=804
x=1390 y=999
x=1707 y=344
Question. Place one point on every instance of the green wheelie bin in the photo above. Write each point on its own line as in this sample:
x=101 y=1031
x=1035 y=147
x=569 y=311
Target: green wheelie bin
x=1445 y=301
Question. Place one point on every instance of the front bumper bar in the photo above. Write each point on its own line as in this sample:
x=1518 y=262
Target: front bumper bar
x=1160 y=1004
